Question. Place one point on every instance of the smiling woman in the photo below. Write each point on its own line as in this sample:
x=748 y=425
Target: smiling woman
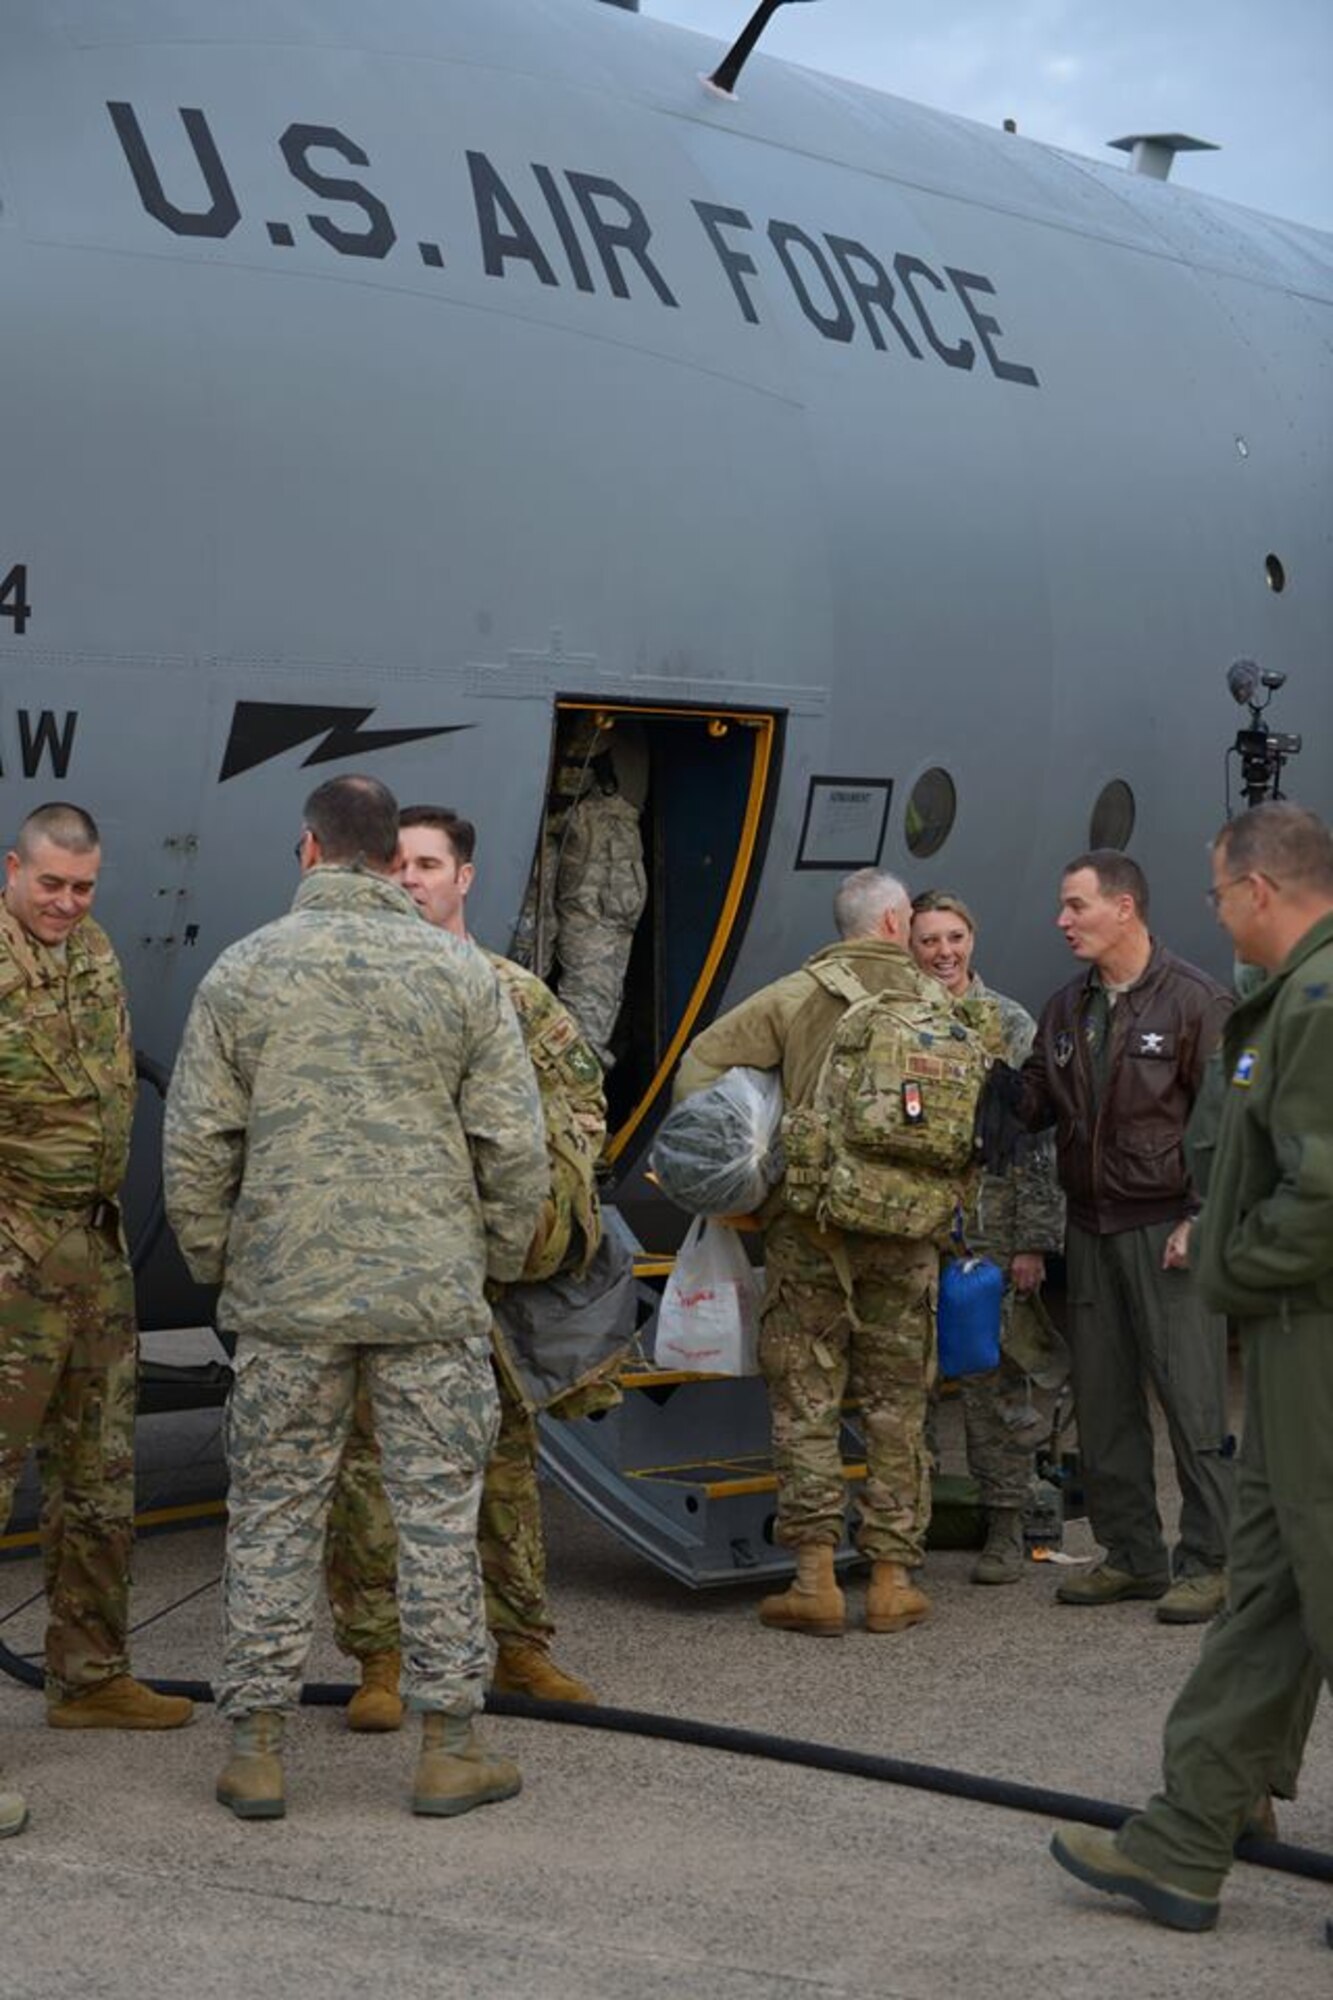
x=943 y=938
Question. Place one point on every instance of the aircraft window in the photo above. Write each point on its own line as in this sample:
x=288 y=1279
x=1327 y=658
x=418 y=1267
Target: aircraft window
x=1276 y=574
x=1113 y=816
x=931 y=811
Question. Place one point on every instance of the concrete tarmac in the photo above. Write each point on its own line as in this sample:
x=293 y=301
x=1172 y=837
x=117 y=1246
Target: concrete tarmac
x=630 y=1869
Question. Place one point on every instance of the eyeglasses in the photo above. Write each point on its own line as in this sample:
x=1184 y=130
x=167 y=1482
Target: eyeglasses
x=1251 y=875
x=299 y=848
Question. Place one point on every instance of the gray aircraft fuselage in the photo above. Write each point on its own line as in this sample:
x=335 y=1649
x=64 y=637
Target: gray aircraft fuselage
x=375 y=377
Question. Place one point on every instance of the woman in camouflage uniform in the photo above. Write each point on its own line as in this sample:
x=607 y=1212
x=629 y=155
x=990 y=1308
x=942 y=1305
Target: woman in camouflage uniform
x=1016 y=1220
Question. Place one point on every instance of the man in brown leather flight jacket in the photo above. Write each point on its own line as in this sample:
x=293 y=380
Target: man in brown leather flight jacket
x=1118 y=1062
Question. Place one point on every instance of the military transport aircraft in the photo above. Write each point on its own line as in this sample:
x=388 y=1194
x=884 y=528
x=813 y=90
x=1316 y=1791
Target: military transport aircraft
x=416 y=388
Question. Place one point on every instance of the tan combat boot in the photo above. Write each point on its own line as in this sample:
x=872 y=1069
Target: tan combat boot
x=13 y=1814
x=1002 y=1559
x=893 y=1601
x=814 y=1603
x=252 y=1784
x=122 y=1703
x=377 y=1706
x=523 y=1666
x=456 y=1771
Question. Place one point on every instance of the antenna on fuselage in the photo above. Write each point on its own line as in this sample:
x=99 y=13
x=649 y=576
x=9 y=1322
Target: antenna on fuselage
x=723 y=78
x=1154 y=153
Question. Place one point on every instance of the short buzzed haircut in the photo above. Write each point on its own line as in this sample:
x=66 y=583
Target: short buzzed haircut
x=355 y=821
x=862 y=899
x=1116 y=875
x=459 y=832
x=63 y=825
x=1287 y=843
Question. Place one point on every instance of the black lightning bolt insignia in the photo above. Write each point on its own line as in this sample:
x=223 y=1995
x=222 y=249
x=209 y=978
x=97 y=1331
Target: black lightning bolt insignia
x=261 y=730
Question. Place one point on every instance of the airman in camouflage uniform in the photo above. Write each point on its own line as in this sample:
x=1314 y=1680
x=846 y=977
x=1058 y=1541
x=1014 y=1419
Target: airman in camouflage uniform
x=1017 y=1219
x=361 y=1554
x=600 y=892
x=589 y=889
x=67 y=1333
x=841 y=1310
x=353 y=1146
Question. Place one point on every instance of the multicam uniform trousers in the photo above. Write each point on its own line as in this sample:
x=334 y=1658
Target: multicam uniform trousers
x=67 y=1384
x=849 y=1313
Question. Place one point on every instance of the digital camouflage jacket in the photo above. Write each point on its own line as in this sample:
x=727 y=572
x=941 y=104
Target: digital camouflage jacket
x=353 y=1139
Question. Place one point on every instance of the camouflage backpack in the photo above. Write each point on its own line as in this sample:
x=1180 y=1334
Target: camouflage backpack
x=569 y=1079
x=884 y=1148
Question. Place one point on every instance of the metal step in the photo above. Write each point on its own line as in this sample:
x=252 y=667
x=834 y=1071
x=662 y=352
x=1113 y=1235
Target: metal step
x=682 y=1468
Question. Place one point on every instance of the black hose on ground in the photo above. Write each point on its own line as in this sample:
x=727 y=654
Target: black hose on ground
x=1281 y=1855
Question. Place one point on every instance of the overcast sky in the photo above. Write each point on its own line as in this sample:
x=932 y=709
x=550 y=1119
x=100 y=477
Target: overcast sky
x=1254 y=76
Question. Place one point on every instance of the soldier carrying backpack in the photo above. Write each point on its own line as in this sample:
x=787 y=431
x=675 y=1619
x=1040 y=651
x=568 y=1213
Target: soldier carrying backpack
x=880 y=1075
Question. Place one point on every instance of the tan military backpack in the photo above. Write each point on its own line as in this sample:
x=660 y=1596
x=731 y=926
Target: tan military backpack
x=884 y=1148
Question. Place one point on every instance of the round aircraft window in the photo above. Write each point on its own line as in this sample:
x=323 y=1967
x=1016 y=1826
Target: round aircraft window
x=931 y=811
x=1113 y=816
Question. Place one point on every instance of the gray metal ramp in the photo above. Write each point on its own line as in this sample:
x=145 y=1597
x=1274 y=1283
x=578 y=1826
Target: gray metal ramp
x=682 y=1469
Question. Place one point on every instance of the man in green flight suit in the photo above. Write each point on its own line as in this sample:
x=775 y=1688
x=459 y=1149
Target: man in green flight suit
x=68 y=1353
x=1263 y=1252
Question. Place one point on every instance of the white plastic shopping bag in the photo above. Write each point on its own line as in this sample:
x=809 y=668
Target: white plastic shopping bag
x=709 y=1316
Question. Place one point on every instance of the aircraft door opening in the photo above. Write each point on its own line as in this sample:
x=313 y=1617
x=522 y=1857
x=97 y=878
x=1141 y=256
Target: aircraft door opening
x=653 y=834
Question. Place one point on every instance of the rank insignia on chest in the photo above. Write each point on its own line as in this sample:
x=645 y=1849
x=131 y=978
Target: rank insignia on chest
x=1064 y=1047
x=1246 y=1064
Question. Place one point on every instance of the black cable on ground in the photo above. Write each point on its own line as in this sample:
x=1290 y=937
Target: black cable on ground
x=1281 y=1855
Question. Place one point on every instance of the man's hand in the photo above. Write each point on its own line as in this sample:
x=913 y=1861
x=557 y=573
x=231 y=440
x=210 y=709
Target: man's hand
x=1176 y=1255
x=1028 y=1271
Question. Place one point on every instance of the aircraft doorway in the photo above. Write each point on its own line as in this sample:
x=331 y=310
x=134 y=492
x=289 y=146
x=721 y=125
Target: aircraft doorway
x=653 y=836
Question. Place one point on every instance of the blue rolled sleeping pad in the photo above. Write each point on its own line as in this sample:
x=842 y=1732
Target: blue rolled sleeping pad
x=968 y=1318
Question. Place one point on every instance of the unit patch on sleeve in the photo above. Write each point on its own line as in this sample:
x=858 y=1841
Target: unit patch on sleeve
x=1246 y=1064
